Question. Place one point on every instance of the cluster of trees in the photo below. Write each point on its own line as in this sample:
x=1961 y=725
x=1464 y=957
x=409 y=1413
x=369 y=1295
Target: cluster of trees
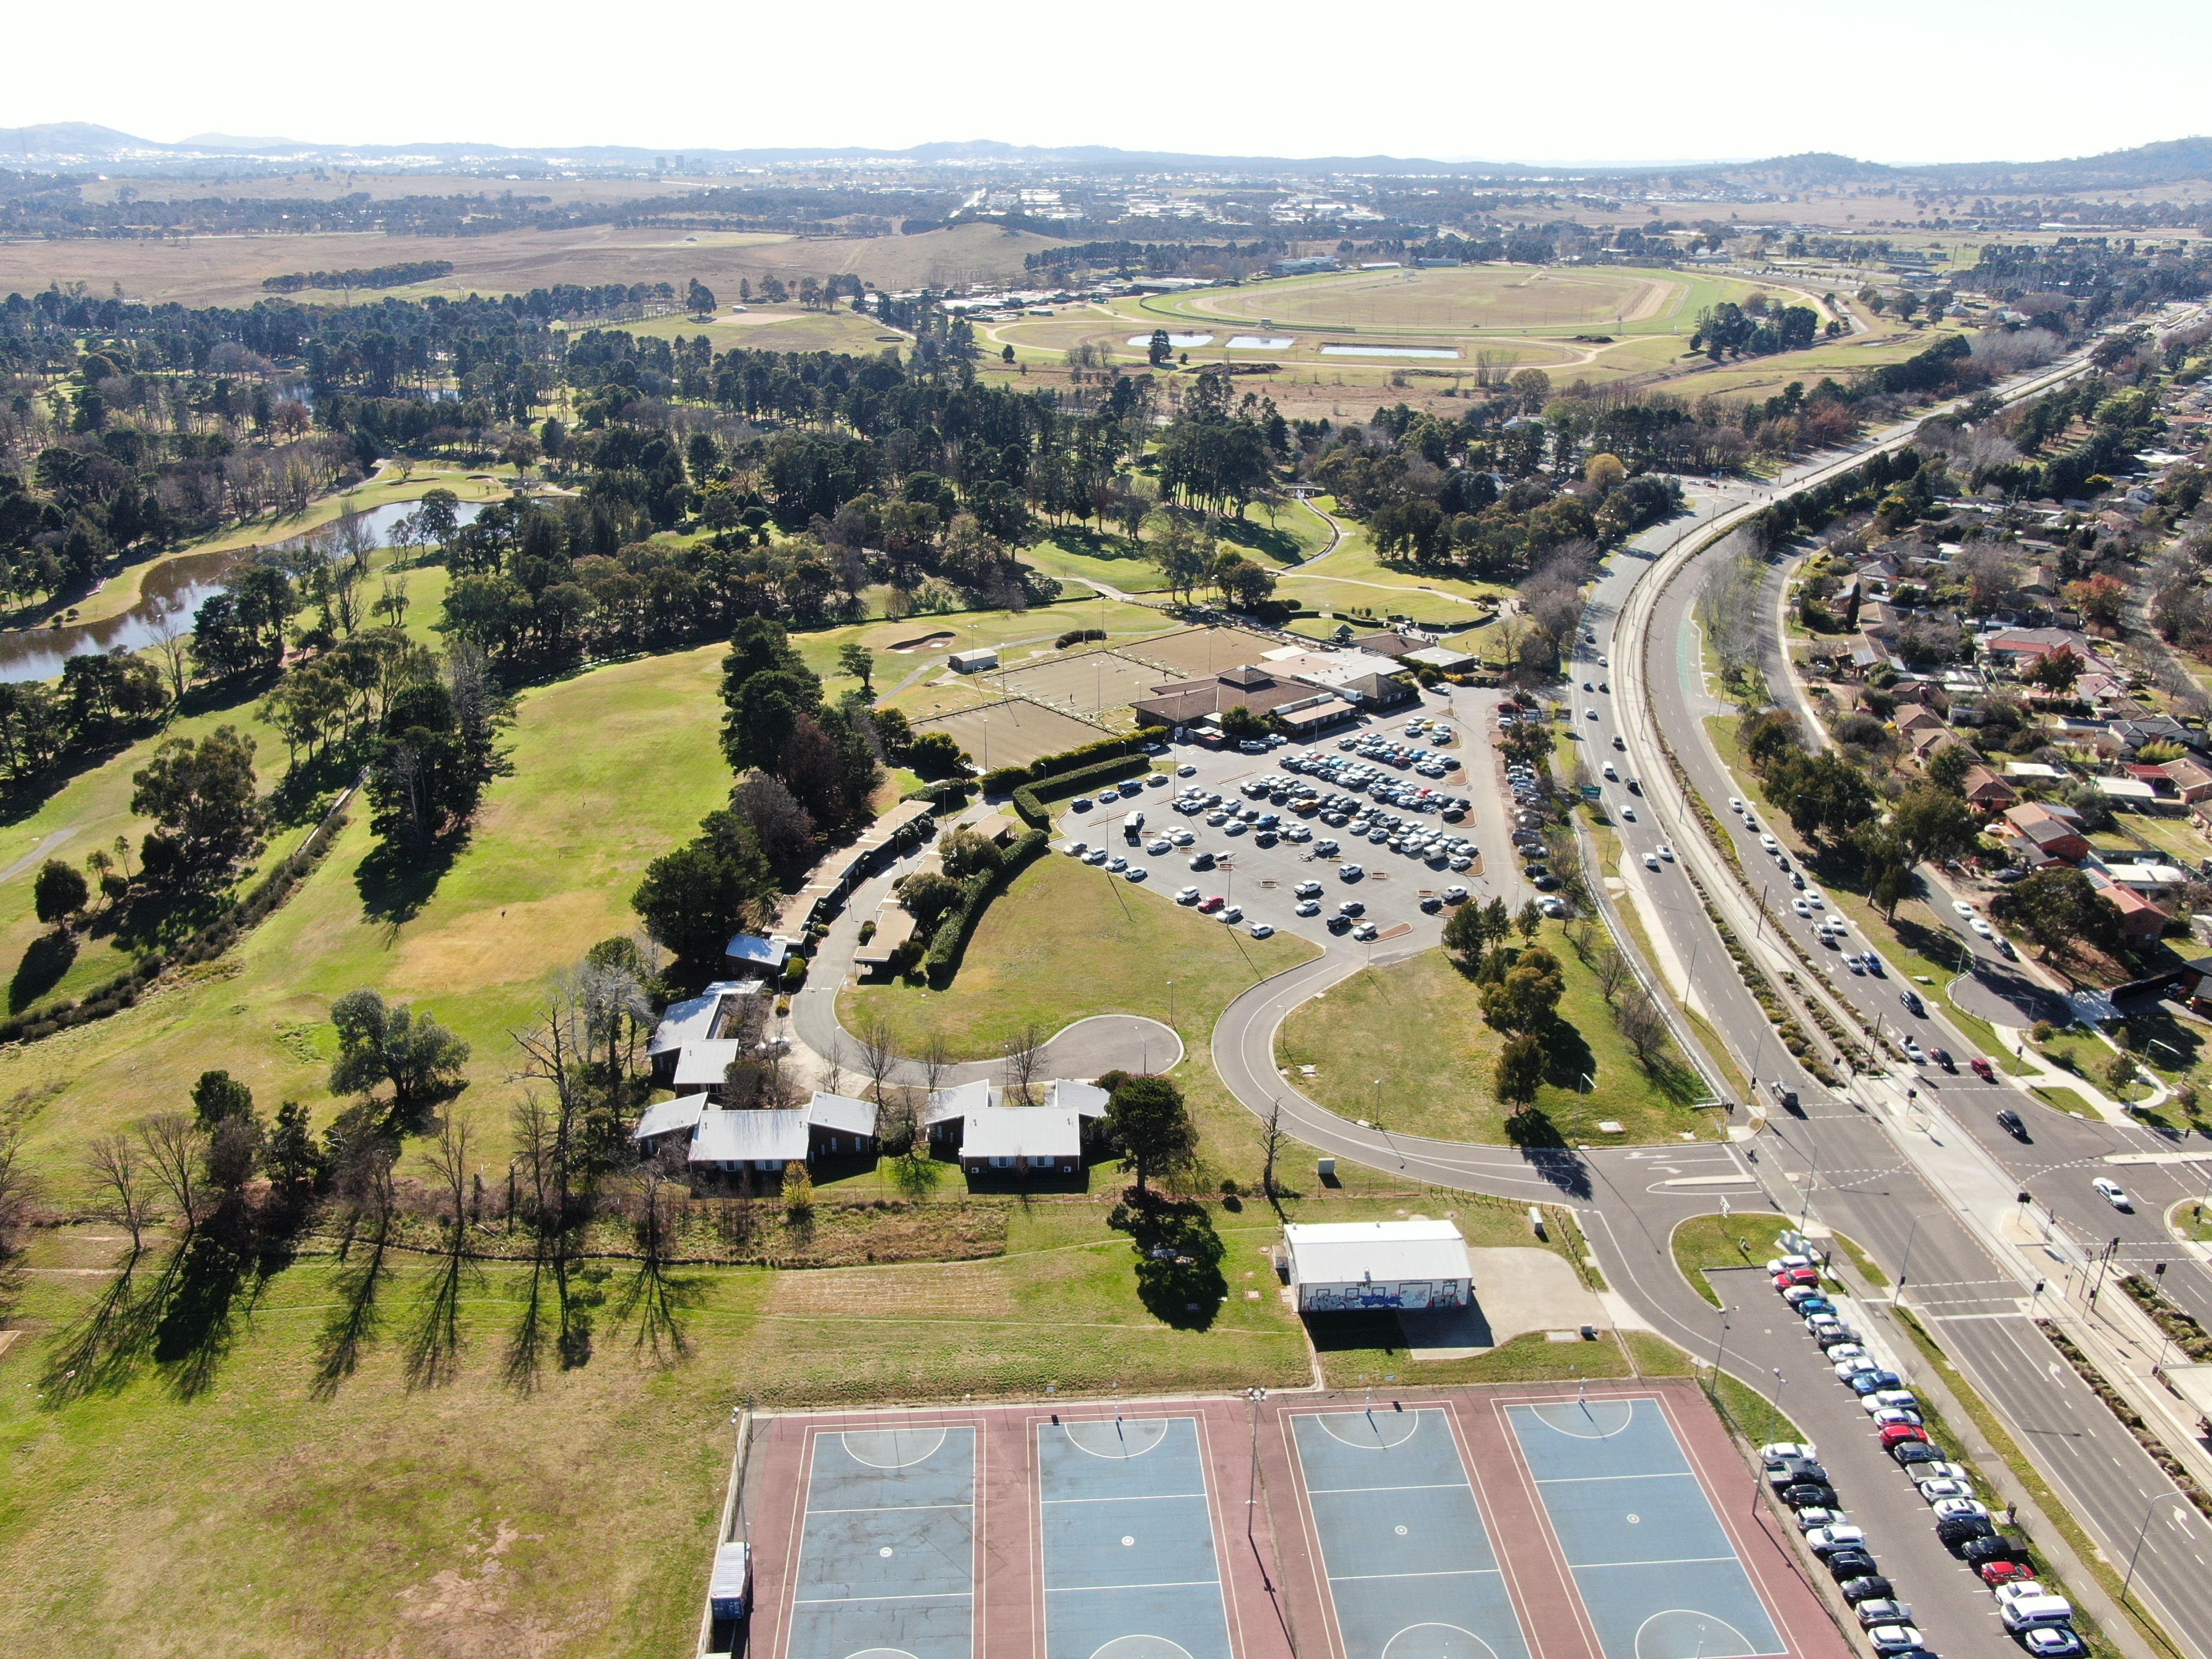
x=1754 y=330
x=395 y=276
x=806 y=772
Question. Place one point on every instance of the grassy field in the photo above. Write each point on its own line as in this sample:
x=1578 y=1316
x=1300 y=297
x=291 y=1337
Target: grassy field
x=1066 y=941
x=1417 y=1026
x=557 y=850
x=1368 y=1349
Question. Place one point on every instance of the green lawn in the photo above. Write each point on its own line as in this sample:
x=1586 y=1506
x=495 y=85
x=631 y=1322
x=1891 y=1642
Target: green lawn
x=1743 y=1240
x=1358 y=1350
x=1066 y=941
x=1417 y=1026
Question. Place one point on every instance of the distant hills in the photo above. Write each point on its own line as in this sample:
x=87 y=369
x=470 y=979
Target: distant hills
x=66 y=146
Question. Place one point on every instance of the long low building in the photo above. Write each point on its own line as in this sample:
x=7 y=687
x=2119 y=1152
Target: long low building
x=724 y=1142
x=1336 y=1265
x=974 y=1120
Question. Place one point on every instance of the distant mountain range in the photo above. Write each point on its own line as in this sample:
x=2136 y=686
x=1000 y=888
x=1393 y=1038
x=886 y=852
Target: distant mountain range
x=64 y=146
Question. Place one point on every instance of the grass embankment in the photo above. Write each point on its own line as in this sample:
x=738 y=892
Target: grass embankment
x=1066 y=941
x=1417 y=1026
x=1369 y=1348
x=611 y=769
x=1711 y=1241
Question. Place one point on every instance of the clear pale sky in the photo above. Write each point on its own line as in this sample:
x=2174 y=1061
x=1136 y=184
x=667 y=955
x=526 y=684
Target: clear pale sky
x=1886 y=80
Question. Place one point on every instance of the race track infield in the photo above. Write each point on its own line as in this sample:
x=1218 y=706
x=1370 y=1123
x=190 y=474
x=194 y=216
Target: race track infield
x=1510 y=1523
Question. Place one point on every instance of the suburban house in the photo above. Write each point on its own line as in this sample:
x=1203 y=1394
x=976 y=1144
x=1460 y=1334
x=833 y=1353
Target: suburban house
x=2141 y=921
x=724 y=1142
x=1916 y=721
x=2192 y=779
x=1986 y=791
x=973 y=1122
x=2037 y=833
x=756 y=953
x=1336 y=1265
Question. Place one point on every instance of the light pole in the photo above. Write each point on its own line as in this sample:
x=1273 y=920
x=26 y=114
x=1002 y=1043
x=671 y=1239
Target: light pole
x=1774 y=1405
x=1911 y=1233
x=1720 y=1352
x=2129 y=1577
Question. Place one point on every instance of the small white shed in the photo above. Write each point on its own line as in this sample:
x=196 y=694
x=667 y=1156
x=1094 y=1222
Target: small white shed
x=1340 y=1265
x=976 y=661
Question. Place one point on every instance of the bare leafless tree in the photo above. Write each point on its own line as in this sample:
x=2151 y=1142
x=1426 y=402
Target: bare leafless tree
x=1272 y=1137
x=878 y=1057
x=936 y=1060
x=176 y=1152
x=1024 y=1057
x=1643 y=1026
x=1612 y=971
x=113 y=1163
x=1728 y=608
x=173 y=649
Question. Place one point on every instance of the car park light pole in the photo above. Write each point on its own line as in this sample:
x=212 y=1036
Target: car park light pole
x=2129 y=1577
x=1911 y=1233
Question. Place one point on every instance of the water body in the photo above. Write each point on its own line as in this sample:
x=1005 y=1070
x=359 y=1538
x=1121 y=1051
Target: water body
x=1181 y=342
x=1387 y=352
x=176 y=587
x=1263 y=342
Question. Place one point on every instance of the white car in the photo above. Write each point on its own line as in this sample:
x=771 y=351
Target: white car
x=1628 y=812
x=1847 y=1369
x=1156 y=847
x=1959 y=1509
x=1889 y=1398
x=1665 y=852
x=1652 y=861
x=2113 y=1193
x=1307 y=889
x=1136 y=873
x=1813 y=897
x=1925 y=1474
x=1351 y=871
x=1117 y=866
x=1847 y=1353
x=1229 y=913
x=1783 y=1264
x=2017 y=1589
x=1982 y=928
x=1182 y=837
x=1261 y=930
x=1187 y=896
x=1734 y=805
x=1454 y=895
x=1778 y=1453
x=1308 y=908
x=1936 y=1491
x=1770 y=843
x=1365 y=932
x=1823 y=1540
x=1800 y=908
x=1078 y=849
x=1962 y=907
x=1096 y=855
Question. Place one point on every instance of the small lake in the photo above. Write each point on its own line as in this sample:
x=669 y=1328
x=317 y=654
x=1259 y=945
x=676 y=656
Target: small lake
x=174 y=587
x=1181 y=342
x=1387 y=352
x=1263 y=341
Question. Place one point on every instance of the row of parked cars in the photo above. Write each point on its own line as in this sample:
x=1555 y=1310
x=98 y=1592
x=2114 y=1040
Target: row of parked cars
x=2040 y=1621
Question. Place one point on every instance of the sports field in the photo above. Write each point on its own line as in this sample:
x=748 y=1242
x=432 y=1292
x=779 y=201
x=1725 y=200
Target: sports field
x=1413 y=1523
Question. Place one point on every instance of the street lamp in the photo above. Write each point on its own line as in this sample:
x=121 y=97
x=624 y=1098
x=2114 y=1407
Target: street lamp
x=1911 y=1233
x=1774 y=1405
x=2130 y=1577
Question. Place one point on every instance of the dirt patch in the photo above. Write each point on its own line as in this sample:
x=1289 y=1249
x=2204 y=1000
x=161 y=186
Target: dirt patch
x=942 y=1292
x=1013 y=733
x=1196 y=651
x=507 y=946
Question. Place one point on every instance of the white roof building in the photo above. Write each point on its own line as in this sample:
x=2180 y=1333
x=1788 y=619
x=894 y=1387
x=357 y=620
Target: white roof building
x=1012 y=1137
x=767 y=1140
x=670 y=1116
x=1340 y=1265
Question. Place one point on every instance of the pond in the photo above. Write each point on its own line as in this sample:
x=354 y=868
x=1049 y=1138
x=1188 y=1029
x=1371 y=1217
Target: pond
x=174 y=587
x=1181 y=342
x=1387 y=352
x=1263 y=341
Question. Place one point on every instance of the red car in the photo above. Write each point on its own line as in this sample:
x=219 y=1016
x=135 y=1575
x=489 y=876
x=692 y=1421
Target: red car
x=1898 y=1433
x=1789 y=1276
x=1983 y=1069
x=2004 y=1572
x=1210 y=905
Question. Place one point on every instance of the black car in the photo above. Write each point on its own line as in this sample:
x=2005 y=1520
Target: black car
x=1545 y=883
x=1982 y=1550
x=1872 y=1588
x=1942 y=1057
x=2013 y=1124
x=1798 y=1471
x=1809 y=1494
x=1960 y=1529
x=1912 y=1004
x=1850 y=1564
x=1909 y=1452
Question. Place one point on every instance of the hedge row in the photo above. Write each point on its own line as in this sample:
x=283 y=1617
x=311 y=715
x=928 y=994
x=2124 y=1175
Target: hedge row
x=947 y=794
x=1029 y=799
x=114 y=995
x=951 y=938
x=999 y=780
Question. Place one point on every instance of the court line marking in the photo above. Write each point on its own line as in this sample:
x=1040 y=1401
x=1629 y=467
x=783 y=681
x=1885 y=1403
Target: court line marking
x=1098 y=1589
x=1440 y=1572
x=1423 y=1486
x=894 y=1509
x=1570 y=1479
x=1121 y=1425
x=1132 y=1497
x=1323 y=1419
x=1663 y=1561
x=834 y=1600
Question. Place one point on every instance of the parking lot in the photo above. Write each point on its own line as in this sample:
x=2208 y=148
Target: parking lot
x=1259 y=870
x=1951 y=1608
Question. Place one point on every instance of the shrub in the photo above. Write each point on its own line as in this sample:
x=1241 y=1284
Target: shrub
x=977 y=893
x=1029 y=799
x=795 y=973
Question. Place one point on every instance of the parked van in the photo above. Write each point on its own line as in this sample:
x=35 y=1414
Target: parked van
x=2037 y=1612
